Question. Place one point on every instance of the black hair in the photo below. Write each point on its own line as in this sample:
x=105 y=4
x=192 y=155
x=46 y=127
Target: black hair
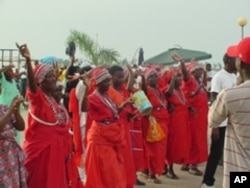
x=5 y=72
x=85 y=69
x=114 y=69
x=73 y=69
x=227 y=59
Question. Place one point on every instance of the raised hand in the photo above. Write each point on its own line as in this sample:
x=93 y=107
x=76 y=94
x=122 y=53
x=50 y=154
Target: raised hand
x=23 y=49
x=139 y=72
x=129 y=68
x=177 y=58
x=16 y=103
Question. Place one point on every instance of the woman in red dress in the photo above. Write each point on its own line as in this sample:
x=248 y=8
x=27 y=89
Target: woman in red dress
x=156 y=151
x=45 y=137
x=179 y=130
x=197 y=96
x=119 y=93
x=104 y=162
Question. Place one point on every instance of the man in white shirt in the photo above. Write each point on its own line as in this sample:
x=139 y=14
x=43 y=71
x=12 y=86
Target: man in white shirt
x=223 y=79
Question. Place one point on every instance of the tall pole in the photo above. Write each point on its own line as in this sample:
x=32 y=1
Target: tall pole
x=242 y=32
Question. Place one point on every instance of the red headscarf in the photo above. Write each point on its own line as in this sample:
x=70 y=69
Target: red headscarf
x=169 y=75
x=100 y=75
x=40 y=72
x=194 y=66
x=149 y=72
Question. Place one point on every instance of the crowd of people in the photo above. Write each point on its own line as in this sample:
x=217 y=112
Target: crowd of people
x=88 y=132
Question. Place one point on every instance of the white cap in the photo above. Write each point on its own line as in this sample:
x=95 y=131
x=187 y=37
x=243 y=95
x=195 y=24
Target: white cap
x=84 y=64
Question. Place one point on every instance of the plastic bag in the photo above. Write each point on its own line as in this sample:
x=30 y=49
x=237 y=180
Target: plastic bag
x=155 y=132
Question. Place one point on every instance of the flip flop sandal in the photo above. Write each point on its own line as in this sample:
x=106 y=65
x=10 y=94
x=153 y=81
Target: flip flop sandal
x=185 y=168
x=172 y=176
x=195 y=172
x=154 y=180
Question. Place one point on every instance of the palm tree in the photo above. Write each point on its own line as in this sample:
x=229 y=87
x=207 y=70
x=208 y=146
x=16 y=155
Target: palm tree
x=96 y=54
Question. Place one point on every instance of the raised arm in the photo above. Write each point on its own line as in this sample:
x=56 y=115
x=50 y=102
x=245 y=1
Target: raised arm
x=67 y=76
x=184 y=71
x=182 y=66
x=13 y=109
x=30 y=75
x=170 y=89
x=19 y=124
x=130 y=79
x=143 y=84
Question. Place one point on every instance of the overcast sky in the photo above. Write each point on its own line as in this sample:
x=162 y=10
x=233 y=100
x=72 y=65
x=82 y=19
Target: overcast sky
x=124 y=25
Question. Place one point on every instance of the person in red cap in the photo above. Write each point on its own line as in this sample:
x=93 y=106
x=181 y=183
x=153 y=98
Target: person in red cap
x=104 y=162
x=233 y=103
x=223 y=79
x=45 y=136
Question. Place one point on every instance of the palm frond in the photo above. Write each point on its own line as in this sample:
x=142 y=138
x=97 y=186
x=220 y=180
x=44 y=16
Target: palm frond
x=91 y=50
x=108 y=56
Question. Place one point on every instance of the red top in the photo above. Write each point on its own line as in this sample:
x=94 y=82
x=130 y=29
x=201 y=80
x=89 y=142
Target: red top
x=158 y=101
x=45 y=142
x=104 y=161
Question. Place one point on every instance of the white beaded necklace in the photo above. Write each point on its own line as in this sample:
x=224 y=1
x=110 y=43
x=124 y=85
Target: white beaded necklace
x=181 y=98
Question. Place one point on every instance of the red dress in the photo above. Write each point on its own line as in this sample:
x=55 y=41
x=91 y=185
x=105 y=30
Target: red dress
x=104 y=163
x=45 y=142
x=137 y=142
x=156 y=151
x=72 y=173
x=197 y=96
x=77 y=139
x=179 y=129
x=119 y=97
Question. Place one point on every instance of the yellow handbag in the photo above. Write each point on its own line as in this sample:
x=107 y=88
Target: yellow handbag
x=155 y=132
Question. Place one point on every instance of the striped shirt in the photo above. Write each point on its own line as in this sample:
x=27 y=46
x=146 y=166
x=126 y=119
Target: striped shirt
x=234 y=103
